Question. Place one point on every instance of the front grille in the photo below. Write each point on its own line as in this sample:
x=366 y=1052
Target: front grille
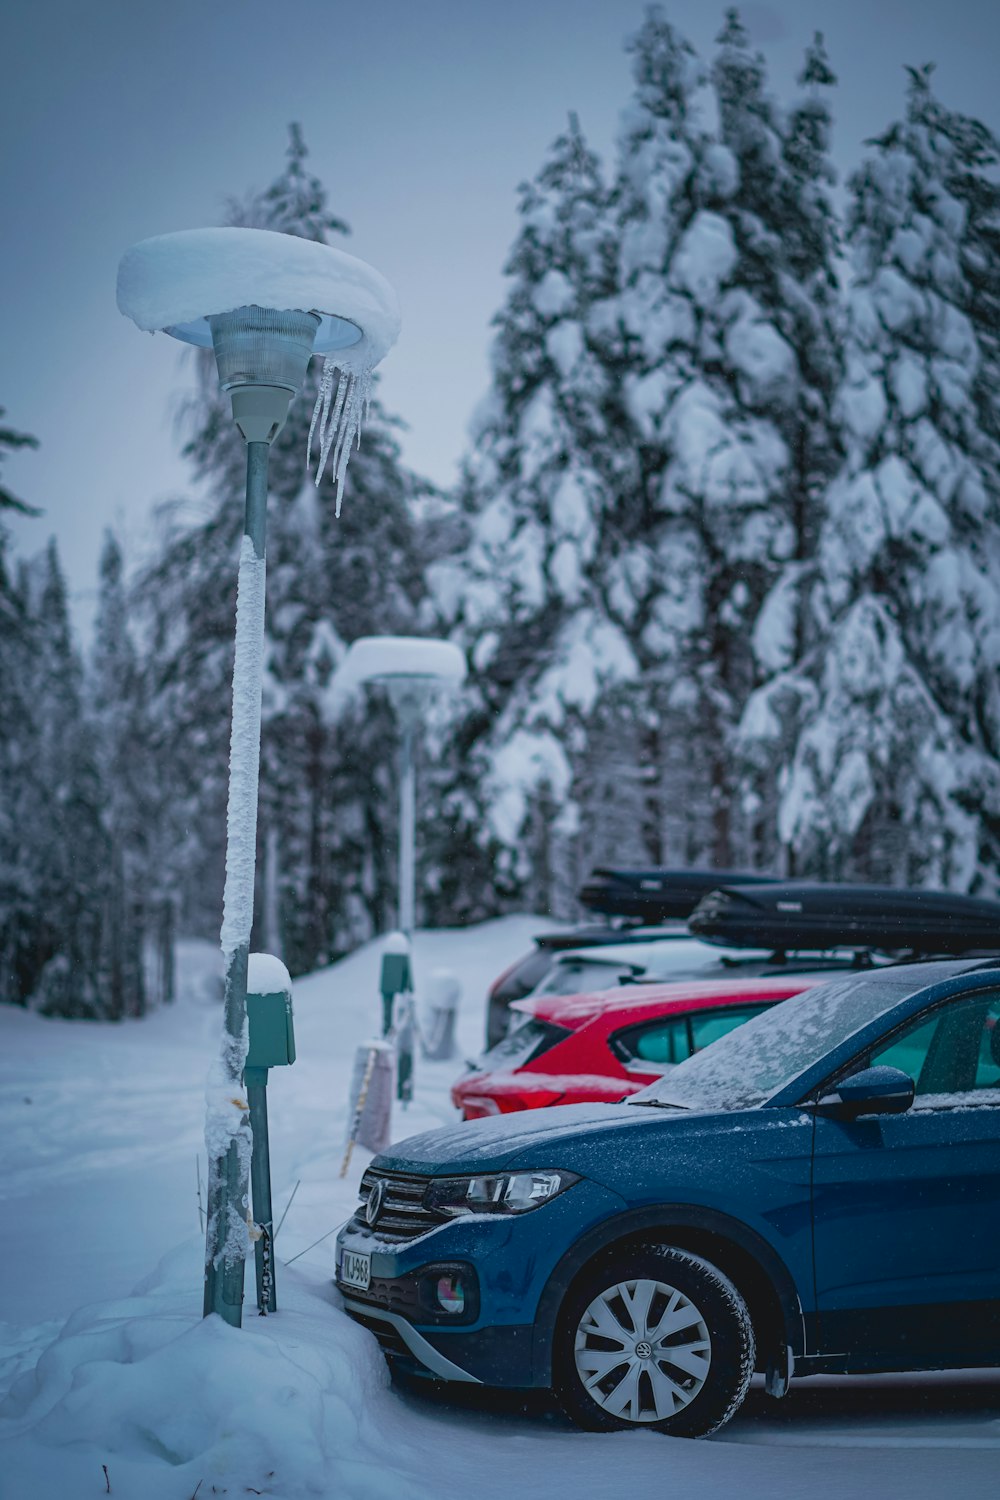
x=395 y=1296
x=403 y=1216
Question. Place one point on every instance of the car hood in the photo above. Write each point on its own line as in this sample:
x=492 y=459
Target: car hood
x=530 y=1138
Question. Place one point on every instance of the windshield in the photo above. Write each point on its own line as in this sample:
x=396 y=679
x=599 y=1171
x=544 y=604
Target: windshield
x=743 y=1069
x=672 y=958
x=527 y=1040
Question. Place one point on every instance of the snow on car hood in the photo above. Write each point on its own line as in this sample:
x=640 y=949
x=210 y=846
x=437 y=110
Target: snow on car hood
x=487 y=1145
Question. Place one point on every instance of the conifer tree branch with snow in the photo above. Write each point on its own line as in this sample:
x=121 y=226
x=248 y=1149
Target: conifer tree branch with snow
x=895 y=771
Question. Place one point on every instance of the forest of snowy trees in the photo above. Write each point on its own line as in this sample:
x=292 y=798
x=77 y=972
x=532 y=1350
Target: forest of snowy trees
x=724 y=559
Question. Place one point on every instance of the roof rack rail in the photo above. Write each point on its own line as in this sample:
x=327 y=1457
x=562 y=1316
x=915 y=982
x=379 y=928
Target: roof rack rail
x=655 y=895
x=802 y=915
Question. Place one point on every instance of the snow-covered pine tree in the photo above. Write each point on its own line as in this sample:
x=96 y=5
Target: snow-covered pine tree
x=711 y=313
x=17 y=885
x=60 y=842
x=525 y=597
x=895 y=774
x=656 y=563
x=326 y=824
x=132 y=920
x=788 y=235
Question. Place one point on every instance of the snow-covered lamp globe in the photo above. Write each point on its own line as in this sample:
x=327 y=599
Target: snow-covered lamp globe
x=266 y=303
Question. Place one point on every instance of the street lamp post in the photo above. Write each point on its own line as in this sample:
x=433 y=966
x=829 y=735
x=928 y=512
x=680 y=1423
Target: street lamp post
x=411 y=669
x=261 y=301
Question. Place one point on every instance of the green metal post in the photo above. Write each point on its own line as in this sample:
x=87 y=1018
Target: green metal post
x=260 y=1183
x=228 y=1186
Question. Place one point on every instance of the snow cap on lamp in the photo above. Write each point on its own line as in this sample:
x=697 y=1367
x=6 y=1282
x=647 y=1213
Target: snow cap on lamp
x=405 y=658
x=183 y=283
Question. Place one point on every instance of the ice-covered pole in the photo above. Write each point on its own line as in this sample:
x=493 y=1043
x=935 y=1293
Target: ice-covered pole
x=262 y=357
x=228 y=1134
x=265 y=302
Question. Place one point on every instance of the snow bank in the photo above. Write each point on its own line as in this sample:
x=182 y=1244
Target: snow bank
x=296 y=1405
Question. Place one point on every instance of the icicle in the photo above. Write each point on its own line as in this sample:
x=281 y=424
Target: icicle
x=339 y=421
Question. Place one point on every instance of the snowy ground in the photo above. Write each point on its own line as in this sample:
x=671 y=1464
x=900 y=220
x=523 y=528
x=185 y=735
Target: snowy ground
x=105 y=1362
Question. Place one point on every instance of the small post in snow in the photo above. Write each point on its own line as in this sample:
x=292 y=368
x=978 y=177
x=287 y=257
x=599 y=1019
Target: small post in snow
x=272 y=1045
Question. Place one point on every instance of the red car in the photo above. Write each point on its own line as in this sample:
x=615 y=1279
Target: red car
x=578 y=1049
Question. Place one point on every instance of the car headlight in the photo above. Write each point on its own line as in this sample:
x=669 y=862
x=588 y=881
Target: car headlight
x=504 y=1193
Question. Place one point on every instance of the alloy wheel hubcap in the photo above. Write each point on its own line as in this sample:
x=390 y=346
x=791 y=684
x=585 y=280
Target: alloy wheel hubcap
x=642 y=1350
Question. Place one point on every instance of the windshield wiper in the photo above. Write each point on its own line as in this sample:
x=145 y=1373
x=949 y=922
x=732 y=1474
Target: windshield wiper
x=656 y=1103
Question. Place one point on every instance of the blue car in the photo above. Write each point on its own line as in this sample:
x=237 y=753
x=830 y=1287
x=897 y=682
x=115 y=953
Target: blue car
x=819 y=1191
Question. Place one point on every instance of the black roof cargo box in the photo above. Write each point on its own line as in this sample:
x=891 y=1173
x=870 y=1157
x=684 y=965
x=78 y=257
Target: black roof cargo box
x=655 y=895
x=800 y=915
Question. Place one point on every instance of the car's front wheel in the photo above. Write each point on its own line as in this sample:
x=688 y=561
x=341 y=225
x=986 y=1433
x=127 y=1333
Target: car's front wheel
x=655 y=1338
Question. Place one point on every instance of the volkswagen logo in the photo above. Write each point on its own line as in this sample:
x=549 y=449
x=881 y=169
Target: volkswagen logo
x=374 y=1205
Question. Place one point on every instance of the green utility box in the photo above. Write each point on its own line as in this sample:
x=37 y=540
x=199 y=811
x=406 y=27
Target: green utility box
x=272 y=1037
x=395 y=977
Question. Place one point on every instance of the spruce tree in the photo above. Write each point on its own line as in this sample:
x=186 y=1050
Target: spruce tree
x=18 y=905
x=132 y=918
x=900 y=694
x=526 y=596
x=63 y=841
x=711 y=381
x=789 y=234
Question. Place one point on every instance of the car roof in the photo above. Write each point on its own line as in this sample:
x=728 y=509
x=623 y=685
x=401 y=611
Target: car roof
x=678 y=995
x=603 y=935
x=633 y=952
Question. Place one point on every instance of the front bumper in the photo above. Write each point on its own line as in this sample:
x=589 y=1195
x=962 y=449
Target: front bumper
x=501 y=1356
x=512 y=1259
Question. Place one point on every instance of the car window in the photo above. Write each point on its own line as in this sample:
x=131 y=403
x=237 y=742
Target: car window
x=522 y=1045
x=908 y=1051
x=954 y=1052
x=756 y=1060
x=658 y=1044
x=665 y=1042
x=573 y=976
x=664 y=958
x=988 y=1061
x=708 y=1026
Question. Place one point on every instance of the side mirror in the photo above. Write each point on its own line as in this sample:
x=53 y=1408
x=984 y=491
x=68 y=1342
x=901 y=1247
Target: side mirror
x=873 y=1091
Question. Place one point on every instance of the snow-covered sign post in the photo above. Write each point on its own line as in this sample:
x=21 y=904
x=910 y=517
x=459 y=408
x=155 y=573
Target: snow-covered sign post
x=266 y=303
x=411 y=669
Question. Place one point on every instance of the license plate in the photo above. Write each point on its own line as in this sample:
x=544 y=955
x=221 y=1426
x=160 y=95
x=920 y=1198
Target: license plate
x=356 y=1270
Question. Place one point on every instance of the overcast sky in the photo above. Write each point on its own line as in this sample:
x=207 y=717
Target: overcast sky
x=122 y=119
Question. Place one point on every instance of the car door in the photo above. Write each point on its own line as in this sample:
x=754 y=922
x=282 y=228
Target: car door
x=906 y=1208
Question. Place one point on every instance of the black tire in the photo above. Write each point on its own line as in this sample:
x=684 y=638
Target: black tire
x=702 y=1397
